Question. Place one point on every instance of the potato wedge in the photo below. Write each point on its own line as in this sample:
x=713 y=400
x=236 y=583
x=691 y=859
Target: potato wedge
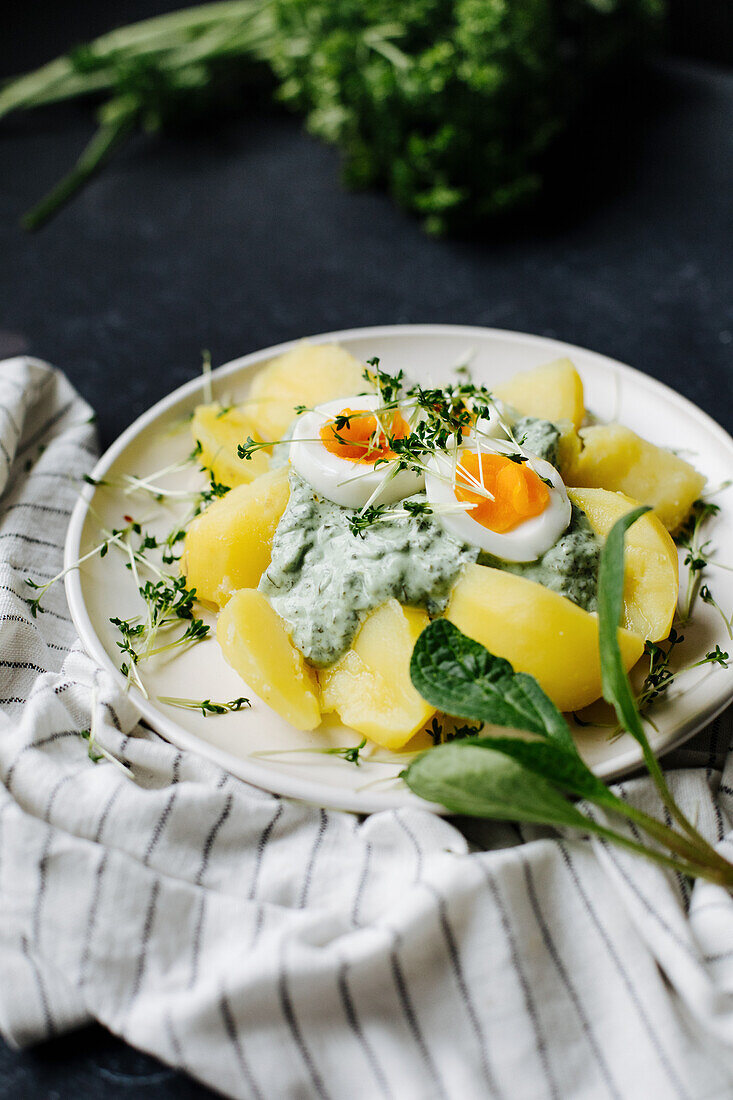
x=256 y=643
x=308 y=375
x=229 y=546
x=651 y=568
x=369 y=686
x=615 y=458
x=219 y=431
x=553 y=391
x=537 y=631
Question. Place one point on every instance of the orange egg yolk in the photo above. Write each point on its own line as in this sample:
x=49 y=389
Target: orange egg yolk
x=518 y=492
x=361 y=439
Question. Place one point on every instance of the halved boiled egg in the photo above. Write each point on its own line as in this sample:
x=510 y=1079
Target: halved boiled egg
x=342 y=450
x=515 y=510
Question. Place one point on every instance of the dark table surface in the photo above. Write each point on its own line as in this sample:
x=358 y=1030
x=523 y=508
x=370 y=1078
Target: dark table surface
x=241 y=236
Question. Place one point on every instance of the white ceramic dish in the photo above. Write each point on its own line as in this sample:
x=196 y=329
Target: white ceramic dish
x=250 y=743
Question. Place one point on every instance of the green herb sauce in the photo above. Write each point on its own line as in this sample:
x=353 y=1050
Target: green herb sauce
x=570 y=567
x=323 y=580
x=539 y=437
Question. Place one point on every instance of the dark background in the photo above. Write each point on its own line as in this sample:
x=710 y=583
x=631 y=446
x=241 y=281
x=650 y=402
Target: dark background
x=239 y=235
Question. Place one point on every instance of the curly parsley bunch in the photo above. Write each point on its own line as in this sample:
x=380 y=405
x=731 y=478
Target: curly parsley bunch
x=449 y=104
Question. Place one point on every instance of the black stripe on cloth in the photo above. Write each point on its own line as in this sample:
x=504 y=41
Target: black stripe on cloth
x=112 y=713
x=458 y=972
x=176 y=772
x=682 y=883
x=56 y=615
x=526 y=988
x=26 y=600
x=210 y=839
x=45 y=854
x=35 y=507
x=259 y=925
x=725 y=788
x=92 y=917
x=322 y=826
x=8 y=588
x=291 y=1020
x=353 y=1021
x=30 y=539
x=38 y=435
x=197 y=937
x=29 y=622
x=230 y=1028
x=23 y=664
x=6 y=456
x=106 y=812
x=410 y=1015
x=618 y=963
x=8 y=699
x=159 y=826
x=718 y=956
x=413 y=840
x=145 y=940
x=21 y=567
x=23 y=388
x=178 y=1055
x=11 y=419
x=356 y=909
x=260 y=850
x=549 y=943
x=49 y=1021
x=41 y=743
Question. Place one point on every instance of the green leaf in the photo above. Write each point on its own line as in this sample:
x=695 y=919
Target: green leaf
x=554 y=763
x=481 y=782
x=615 y=682
x=460 y=677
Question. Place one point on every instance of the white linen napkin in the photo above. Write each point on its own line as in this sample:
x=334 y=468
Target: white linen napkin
x=272 y=949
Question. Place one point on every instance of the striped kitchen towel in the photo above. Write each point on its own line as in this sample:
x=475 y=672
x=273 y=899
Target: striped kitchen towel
x=275 y=950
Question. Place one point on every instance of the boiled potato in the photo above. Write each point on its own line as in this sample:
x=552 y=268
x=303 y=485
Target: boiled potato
x=229 y=546
x=219 y=431
x=615 y=458
x=537 y=631
x=553 y=391
x=308 y=375
x=568 y=448
x=256 y=643
x=369 y=686
x=651 y=571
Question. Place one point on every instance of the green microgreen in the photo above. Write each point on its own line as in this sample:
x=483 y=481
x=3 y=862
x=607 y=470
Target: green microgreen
x=206 y=706
x=697 y=552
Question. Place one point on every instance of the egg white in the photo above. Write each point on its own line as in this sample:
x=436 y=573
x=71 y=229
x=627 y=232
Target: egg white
x=528 y=541
x=492 y=427
x=350 y=484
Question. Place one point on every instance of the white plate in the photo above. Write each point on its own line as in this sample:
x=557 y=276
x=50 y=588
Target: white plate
x=103 y=587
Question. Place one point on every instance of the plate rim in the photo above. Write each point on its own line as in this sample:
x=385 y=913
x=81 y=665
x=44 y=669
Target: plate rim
x=249 y=770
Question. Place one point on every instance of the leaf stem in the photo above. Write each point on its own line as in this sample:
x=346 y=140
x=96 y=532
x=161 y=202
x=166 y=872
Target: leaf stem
x=112 y=131
x=720 y=875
